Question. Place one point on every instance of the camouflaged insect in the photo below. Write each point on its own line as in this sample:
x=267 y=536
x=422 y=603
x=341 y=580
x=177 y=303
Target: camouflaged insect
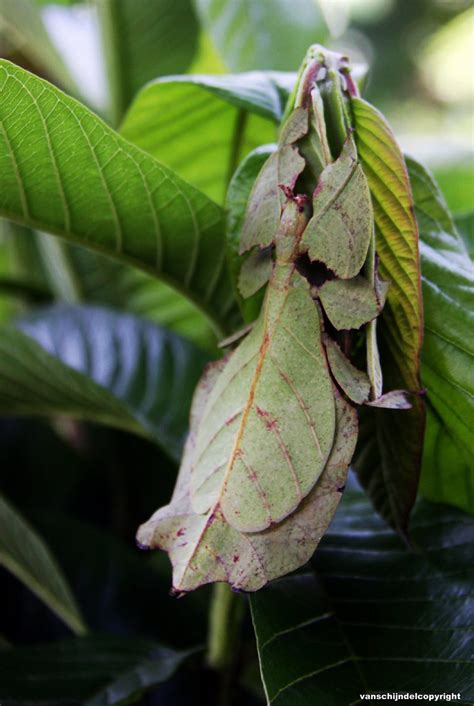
x=273 y=425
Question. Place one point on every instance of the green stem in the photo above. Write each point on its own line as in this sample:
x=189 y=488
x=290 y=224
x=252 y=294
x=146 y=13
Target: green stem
x=111 y=24
x=221 y=622
x=224 y=626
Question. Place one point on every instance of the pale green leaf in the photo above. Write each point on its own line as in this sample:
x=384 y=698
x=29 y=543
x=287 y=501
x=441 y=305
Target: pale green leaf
x=341 y=226
x=354 y=382
x=203 y=126
x=204 y=549
x=23 y=552
x=91 y=363
x=350 y=303
x=87 y=184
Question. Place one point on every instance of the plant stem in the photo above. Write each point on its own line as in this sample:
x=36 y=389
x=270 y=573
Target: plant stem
x=110 y=25
x=224 y=627
x=221 y=623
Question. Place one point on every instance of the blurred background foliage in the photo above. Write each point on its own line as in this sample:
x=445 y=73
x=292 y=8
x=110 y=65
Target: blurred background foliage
x=73 y=480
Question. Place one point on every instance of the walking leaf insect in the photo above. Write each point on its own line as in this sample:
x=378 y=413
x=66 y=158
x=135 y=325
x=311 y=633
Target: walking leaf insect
x=272 y=429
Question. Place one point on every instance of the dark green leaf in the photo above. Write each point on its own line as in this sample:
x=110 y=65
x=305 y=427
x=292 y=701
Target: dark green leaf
x=202 y=126
x=95 y=364
x=85 y=183
x=448 y=350
x=251 y=34
x=372 y=616
x=23 y=552
x=388 y=458
x=88 y=671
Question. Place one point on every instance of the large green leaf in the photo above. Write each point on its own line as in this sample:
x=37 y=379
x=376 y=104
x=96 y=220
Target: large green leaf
x=448 y=351
x=371 y=615
x=23 y=552
x=250 y=34
x=21 y=25
x=144 y=39
x=389 y=452
x=92 y=363
x=88 y=671
x=202 y=126
x=85 y=183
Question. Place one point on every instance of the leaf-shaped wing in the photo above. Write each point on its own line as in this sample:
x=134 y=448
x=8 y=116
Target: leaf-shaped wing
x=267 y=199
x=268 y=426
x=340 y=229
x=205 y=548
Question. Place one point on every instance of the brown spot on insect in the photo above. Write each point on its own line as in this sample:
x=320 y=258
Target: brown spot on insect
x=180 y=532
x=235 y=558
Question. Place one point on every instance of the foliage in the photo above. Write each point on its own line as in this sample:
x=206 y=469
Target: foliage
x=275 y=209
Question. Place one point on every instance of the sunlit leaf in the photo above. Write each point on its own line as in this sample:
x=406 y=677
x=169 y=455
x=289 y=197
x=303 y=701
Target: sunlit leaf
x=85 y=183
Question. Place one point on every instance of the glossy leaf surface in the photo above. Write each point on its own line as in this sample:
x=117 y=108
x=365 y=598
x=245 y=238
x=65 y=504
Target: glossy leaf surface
x=90 y=671
x=448 y=351
x=91 y=363
x=371 y=615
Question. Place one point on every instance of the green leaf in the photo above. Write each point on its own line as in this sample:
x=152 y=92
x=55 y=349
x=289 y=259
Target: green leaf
x=465 y=225
x=89 y=185
x=143 y=40
x=372 y=616
x=250 y=34
x=23 y=28
x=448 y=350
x=23 y=552
x=95 y=364
x=88 y=671
x=202 y=126
x=390 y=444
